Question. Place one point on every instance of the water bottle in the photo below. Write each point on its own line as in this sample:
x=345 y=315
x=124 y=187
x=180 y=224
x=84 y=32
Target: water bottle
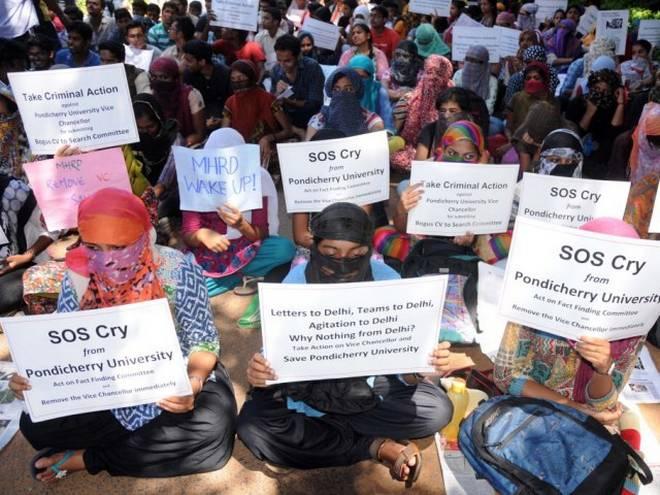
x=458 y=396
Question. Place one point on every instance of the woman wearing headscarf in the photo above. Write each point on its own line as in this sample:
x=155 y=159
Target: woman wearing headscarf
x=309 y=49
x=417 y=108
x=645 y=154
x=325 y=423
x=230 y=243
x=462 y=142
x=402 y=76
x=534 y=53
x=536 y=87
x=14 y=145
x=363 y=45
x=564 y=44
x=475 y=76
x=601 y=50
x=600 y=117
x=586 y=374
x=345 y=112
x=254 y=112
x=178 y=101
x=116 y=264
x=505 y=19
x=527 y=16
x=428 y=41
x=512 y=64
x=375 y=98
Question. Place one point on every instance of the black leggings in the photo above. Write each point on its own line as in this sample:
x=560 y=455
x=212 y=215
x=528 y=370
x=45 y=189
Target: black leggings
x=169 y=445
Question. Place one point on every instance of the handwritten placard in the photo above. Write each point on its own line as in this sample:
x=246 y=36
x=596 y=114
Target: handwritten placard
x=89 y=107
x=209 y=178
x=572 y=282
x=62 y=183
x=236 y=14
x=326 y=34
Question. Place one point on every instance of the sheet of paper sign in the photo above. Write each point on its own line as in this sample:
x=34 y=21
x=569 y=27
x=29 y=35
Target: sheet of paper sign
x=547 y=9
x=236 y=14
x=644 y=383
x=325 y=34
x=649 y=30
x=613 y=24
x=466 y=36
x=10 y=407
x=491 y=324
x=458 y=476
x=438 y=8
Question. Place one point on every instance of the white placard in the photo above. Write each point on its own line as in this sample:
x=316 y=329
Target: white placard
x=316 y=174
x=325 y=331
x=491 y=324
x=88 y=107
x=466 y=20
x=98 y=359
x=508 y=42
x=326 y=34
x=139 y=58
x=571 y=202
x=295 y=15
x=439 y=8
x=236 y=14
x=613 y=24
x=463 y=37
x=654 y=226
x=588 y=20
x=209 y=178
x=462 y=197
x=547 y=9
x=3 y=237
x=575 y=283
x=649 y=30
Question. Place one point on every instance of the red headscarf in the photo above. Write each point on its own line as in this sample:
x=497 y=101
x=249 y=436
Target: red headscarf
x=174 y=102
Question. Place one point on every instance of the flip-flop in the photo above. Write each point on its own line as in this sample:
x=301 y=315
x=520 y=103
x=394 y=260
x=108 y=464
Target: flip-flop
x=249 y=286
x=47 y=452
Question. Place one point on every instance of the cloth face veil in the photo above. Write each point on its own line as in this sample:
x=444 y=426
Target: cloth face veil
x=342 y=222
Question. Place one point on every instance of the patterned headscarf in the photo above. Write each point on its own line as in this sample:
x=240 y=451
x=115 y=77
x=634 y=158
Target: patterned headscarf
x=421 y=106
x=599 y=47
x=405 y=64
x=120 y=276
x=476 y=71
x=462 y=130
x=527 y=21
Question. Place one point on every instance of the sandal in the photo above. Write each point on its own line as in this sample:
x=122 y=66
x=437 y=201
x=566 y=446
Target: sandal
x=249 y=286
x=251 y=318
x=55 y=468
x=406 y=454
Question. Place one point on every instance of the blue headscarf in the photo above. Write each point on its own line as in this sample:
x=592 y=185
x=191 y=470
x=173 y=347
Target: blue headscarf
x=371 y=86
x=345 y=112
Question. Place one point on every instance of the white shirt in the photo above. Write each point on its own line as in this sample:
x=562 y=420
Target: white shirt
x=16 y=17
x=268 y=45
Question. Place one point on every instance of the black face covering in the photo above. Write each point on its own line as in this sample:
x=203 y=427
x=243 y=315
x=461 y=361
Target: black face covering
x=342 y=222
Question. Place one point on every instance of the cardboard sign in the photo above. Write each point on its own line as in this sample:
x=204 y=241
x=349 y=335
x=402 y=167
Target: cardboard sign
x=613 y=24
x=575 y=283
x=326 y=34
x=236 y=14
x=316 y=174
x=89 y=107
x=571 y=202
x=62 y=183
x=325 y=331
x=97 y=359
x=462 y=197
x=209 y=178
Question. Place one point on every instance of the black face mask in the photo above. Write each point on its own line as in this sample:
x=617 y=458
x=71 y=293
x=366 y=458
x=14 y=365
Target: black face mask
x=238 y=86
x=341 y=270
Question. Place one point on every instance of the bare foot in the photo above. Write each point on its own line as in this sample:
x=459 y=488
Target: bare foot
x=73 y=463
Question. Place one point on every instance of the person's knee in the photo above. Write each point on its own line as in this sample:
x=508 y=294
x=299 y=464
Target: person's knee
x=281 y=249
x=33 y=432
x=438 y=409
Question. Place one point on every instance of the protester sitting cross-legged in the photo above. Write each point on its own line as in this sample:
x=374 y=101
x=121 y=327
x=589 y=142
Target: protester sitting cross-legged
x=587 y=374
x=118 y=264
x=228 y=243
x=373 y=417
x=462 y=142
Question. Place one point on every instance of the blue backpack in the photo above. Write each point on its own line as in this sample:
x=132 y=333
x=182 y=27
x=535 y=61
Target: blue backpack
x=526 y=446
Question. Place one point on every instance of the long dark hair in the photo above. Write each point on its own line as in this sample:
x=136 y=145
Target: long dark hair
x=366 y=29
